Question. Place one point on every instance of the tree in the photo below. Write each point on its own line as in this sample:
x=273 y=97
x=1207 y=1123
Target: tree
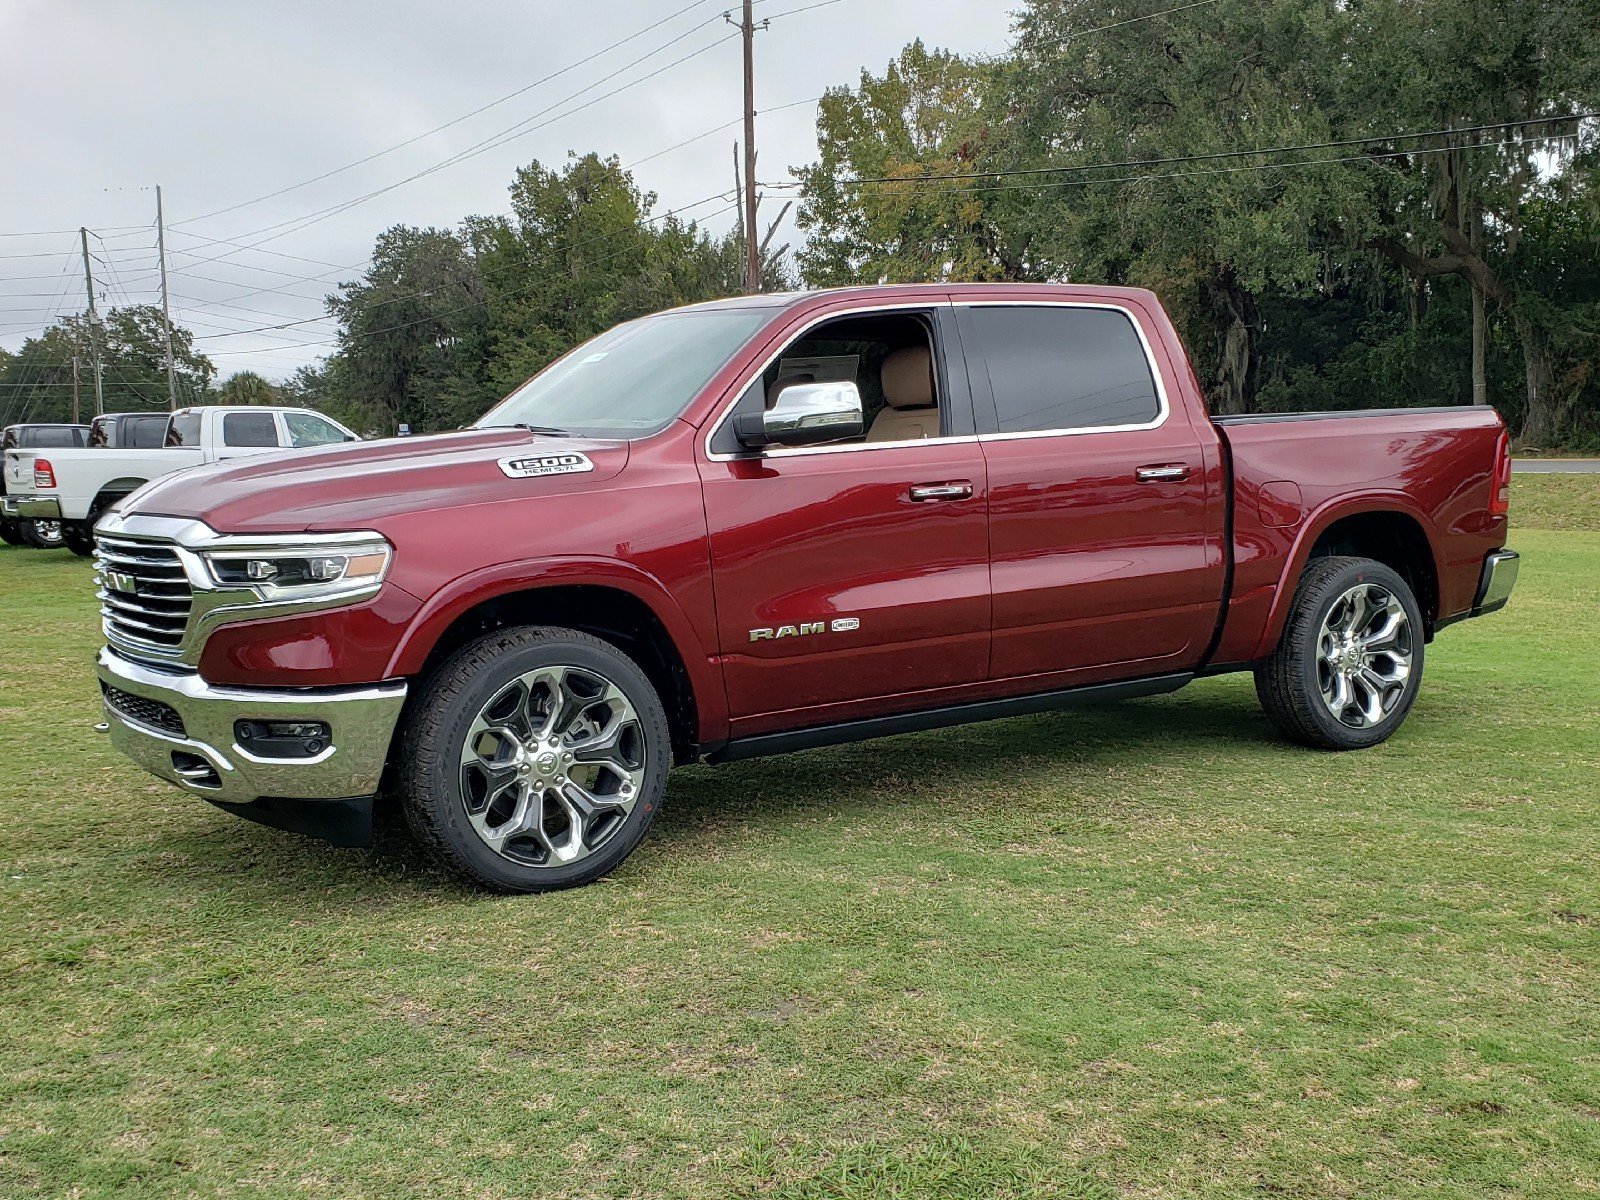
x=36 y=383
x=931 y=114
x=247 y=387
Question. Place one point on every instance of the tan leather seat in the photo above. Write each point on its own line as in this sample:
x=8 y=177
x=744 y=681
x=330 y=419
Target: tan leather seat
x=911 y=412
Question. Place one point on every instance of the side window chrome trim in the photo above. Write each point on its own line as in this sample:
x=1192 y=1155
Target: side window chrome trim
x=1162 y=413
x=903 y=306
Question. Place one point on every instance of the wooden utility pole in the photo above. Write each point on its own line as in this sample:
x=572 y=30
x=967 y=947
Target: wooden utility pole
x=94 y=326
x=752 y=260
x=166 y=311
x=75 y=389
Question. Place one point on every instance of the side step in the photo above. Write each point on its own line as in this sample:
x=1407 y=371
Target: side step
x=764 y=744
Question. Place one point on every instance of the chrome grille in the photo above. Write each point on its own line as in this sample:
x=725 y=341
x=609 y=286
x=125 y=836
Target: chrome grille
x=144 y=594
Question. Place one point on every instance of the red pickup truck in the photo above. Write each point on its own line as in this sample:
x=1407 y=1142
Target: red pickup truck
x=766 y=524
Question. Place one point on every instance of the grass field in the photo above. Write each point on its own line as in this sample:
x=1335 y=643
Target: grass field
x=1141 y=951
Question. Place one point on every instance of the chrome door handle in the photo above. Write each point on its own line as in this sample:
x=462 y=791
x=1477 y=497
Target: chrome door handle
x=941 y=491
x=1168 y=474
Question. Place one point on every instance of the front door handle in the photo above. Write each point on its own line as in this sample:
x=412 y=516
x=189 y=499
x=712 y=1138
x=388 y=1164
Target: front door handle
x=941 y=491
x=1169 y=473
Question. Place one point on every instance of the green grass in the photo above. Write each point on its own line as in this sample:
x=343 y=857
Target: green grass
x=1146 y=950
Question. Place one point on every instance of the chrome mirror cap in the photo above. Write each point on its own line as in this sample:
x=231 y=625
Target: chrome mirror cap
x=806 y=414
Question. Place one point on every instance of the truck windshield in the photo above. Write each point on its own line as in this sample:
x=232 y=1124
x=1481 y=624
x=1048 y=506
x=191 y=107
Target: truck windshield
x=633 y=380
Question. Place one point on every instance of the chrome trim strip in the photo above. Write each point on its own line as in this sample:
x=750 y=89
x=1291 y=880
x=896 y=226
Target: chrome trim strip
x=1164 y=412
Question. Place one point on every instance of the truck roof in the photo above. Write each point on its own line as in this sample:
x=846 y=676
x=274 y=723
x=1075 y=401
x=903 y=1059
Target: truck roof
x=913 y=292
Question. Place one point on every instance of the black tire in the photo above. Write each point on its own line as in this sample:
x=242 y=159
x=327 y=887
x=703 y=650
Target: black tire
x=429 y=774
x=78 y=536
x=1290 y=684
x=11 y=531
x=42 y=535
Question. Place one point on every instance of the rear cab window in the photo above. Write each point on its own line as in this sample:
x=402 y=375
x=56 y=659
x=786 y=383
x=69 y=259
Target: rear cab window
x=1060 y=368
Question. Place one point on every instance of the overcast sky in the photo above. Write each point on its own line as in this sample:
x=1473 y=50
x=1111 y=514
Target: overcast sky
x=224 y=103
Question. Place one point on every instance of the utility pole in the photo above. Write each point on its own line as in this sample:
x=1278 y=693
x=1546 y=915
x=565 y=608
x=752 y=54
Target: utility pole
x=752 y=262
x=94 y=326
x=166 y=311
x=75 y=389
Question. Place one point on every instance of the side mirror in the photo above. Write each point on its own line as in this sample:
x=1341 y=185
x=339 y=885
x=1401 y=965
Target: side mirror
x=805 y=414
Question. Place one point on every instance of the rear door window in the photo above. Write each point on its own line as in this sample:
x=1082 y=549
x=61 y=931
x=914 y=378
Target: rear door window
x=184 y=430
x=1059 y=368
x=249 y=429
x=143 y=432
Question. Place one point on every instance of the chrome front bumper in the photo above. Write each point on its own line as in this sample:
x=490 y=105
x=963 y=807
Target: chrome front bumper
x=206 y=759
x=1498 y=578
x=34 y=508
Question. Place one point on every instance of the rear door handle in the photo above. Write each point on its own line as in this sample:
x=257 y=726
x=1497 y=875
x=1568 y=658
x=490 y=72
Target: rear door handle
x=941 y=491
x=1170 y=473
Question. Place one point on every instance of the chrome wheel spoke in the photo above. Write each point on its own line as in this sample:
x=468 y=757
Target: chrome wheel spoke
x=1364 y=653
x=552 y=765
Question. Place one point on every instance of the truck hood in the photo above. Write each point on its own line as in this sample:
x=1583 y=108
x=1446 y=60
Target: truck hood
x=357 y=486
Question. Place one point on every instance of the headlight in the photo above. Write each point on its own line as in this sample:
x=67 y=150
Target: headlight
x=306 y=568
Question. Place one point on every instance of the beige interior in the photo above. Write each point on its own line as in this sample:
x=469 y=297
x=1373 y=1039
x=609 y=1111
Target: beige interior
x=911 y=411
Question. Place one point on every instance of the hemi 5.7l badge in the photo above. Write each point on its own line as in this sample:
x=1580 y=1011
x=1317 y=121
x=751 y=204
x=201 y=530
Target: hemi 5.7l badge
x=546 y=464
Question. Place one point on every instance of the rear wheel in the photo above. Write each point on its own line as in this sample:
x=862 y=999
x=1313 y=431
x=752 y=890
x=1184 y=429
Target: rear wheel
x=1349 y=662
x=11 y=531
x=534 y=759
x=42 y=534
x=78 y=537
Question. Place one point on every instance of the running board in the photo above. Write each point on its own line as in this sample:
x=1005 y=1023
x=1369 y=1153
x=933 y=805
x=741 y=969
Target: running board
x=763 y=744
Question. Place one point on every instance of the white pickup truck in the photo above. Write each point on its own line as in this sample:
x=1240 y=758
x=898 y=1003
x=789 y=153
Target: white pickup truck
x=75 y=486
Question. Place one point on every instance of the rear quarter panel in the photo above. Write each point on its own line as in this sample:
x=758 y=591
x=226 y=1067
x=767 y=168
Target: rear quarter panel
x=1293 y=478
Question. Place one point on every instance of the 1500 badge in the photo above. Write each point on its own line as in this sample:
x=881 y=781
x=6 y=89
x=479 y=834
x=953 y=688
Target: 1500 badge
x=546 y=464
x=806 y=628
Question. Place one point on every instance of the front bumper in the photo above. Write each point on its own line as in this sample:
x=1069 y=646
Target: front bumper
x=182 y=729
x=35 y=508
x=1495 y=584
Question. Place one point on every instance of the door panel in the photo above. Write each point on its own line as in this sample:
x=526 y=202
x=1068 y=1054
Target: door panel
x=801 y=542
x=1106 y=543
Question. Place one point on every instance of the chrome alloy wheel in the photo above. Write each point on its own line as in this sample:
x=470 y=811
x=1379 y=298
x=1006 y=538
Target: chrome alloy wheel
x=552 y=766
x=48 y=531
x=1364 y=655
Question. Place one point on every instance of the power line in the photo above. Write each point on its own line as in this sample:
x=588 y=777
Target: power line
x=1188 y=158
x=448 y=124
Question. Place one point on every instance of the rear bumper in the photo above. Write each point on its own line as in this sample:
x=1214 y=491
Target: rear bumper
x=1495 y=584
x=8 y=506
x=182 y=729
x=34 y=508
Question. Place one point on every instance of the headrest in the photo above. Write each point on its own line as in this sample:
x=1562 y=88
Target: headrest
x=908 y=378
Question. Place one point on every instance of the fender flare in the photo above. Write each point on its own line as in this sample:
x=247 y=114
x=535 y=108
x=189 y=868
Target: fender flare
x=1318 y=523
x=466 y=592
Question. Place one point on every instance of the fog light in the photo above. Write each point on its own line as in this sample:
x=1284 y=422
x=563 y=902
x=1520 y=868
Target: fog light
x=283 y=739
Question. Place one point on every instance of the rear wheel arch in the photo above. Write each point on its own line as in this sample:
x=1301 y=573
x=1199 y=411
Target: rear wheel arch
x=1384 y=529
x=614 y=615
x=108 y=495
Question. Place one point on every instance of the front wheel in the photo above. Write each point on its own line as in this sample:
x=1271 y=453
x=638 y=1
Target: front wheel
x=534 y=759
x=42 y=534
x=1349 y=662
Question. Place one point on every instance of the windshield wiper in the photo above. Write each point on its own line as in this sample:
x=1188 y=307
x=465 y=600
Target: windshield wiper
x=551 y=430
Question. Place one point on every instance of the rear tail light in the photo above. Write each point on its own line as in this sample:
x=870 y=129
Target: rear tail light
x=44 y=475
x=1500 y=483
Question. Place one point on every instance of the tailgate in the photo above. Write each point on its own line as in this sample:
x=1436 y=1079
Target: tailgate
x=19 y=471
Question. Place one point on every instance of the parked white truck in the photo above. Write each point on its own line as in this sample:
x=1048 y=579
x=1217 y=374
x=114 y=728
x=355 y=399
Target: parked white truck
x=75 y=486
